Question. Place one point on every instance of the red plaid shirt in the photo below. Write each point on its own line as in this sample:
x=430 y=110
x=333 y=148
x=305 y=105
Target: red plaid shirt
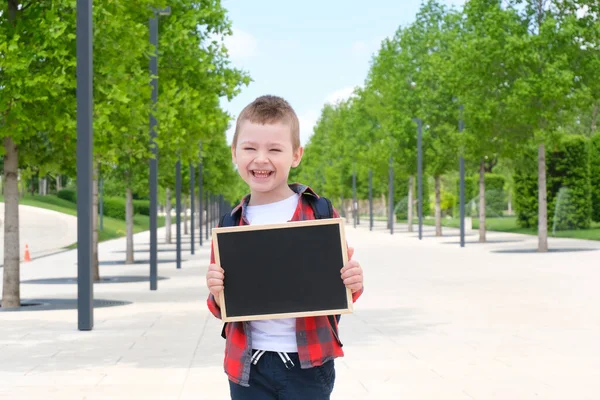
x=317 y=342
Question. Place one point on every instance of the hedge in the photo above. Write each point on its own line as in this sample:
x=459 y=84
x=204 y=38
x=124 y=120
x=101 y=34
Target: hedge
x=401 y=197
x=67 y=194
x=526 y=190
x=494 y=195
x=568 y=186
x=595 y=176
x=113 y=207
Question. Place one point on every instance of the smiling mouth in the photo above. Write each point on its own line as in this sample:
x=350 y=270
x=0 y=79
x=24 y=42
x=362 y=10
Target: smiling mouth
x=262 y=174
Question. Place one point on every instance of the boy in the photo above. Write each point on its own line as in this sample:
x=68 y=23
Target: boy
x=281 y=358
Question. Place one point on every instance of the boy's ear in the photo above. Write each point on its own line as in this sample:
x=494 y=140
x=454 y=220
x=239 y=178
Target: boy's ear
x=297 y=157
x=233 y=157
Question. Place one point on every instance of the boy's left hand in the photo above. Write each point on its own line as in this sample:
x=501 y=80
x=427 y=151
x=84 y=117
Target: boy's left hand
x=352 y=273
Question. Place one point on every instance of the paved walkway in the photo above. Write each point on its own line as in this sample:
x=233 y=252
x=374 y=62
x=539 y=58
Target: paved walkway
x=490 y=321
x=45 y=231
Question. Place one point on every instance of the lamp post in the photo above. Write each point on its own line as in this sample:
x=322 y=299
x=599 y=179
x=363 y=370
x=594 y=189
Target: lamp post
x=461 y=127
x=192 y=207
x=200 y=195
x=178 y=209
x=370 y=199
x=391 y=197
x=420 y=173
x=85 y=140
x=154 y=161
x=354 y=201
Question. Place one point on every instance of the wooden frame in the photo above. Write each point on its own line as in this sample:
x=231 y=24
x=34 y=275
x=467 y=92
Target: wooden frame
x=343 y=246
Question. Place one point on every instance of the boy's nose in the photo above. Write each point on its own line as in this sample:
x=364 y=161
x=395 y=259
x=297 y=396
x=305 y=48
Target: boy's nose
x=261 y=158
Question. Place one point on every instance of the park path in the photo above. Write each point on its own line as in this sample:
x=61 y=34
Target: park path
x=489 y=321
x=45 y=231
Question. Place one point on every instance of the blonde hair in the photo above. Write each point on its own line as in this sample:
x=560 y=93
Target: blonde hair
x=269 y=110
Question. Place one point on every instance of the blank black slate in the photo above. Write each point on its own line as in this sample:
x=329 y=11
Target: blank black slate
x=282 y=270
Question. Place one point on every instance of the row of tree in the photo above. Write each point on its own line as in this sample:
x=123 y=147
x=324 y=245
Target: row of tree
x=516 y=74
x=38 y=98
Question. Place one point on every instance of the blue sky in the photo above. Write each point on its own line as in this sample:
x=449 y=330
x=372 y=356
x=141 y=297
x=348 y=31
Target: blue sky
x=309 y=52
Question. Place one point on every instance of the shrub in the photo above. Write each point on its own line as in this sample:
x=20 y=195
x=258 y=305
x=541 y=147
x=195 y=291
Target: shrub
x=114 y=207
x=67 y=194
x=494 y=195
x=595 y=176
x=568 y=184
x=141 y=207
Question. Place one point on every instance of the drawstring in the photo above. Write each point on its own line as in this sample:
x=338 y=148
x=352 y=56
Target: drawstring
x=287 y=361
x=289 y=364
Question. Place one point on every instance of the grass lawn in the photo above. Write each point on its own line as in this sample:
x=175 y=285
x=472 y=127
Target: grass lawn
x=509 y=224
x=113 y=228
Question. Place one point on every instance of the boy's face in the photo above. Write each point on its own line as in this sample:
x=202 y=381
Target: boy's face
x=264 y=155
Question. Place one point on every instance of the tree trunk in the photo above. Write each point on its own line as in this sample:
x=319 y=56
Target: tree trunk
x=168 y=238
x=482 y=202
x=438 y=207
x=411 y=192
x=542 y=201
x=11 y=294
x=185 y=215
x=40 y=186
x=95 y=259
x=58 y=183
x=510 y=212
x=129 y=223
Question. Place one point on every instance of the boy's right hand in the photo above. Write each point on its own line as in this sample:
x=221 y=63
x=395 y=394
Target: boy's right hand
x=214 y=280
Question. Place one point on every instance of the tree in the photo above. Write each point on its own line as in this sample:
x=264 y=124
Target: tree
x=543 y=87
x=36 y=57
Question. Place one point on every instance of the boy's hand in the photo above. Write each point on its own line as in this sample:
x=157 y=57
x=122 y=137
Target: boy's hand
x=352 y=273
x=214 y=280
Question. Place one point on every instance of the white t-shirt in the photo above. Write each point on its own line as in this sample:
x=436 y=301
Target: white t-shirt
x=276 y=334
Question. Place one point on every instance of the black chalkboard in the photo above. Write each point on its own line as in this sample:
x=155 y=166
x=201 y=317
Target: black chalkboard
x=282 y=270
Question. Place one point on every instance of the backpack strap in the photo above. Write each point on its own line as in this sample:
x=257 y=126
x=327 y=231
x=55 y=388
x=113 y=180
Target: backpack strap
x=322 y=207
x=229 y=220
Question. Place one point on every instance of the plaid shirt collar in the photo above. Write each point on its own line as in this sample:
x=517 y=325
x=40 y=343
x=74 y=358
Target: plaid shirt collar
x=297 y=188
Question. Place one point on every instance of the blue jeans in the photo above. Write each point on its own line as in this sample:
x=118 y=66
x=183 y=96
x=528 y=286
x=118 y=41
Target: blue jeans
x=271 y=379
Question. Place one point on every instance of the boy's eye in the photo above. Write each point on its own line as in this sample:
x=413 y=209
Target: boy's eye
x=279 y=150
x=248 y=148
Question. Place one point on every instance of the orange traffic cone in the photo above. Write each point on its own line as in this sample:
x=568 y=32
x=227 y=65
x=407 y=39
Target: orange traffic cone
x=27 y=256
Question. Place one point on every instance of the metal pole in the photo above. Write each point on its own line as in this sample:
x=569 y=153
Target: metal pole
x=391 y=198
x=200 y=205
x=370 y=199
x=207 y=213
x=85 y=148
x=461 y=127
x=420 y=174
x=154 y=159
x=101 y=204
x=178 y=209
x=354 y=198
x=192 y=206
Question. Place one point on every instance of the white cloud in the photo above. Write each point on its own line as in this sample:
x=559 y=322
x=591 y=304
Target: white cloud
x=309 y=119
x=362 y=48
x=241 y=45
x=339 y=95
x=307 y=123
x=359 y=48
